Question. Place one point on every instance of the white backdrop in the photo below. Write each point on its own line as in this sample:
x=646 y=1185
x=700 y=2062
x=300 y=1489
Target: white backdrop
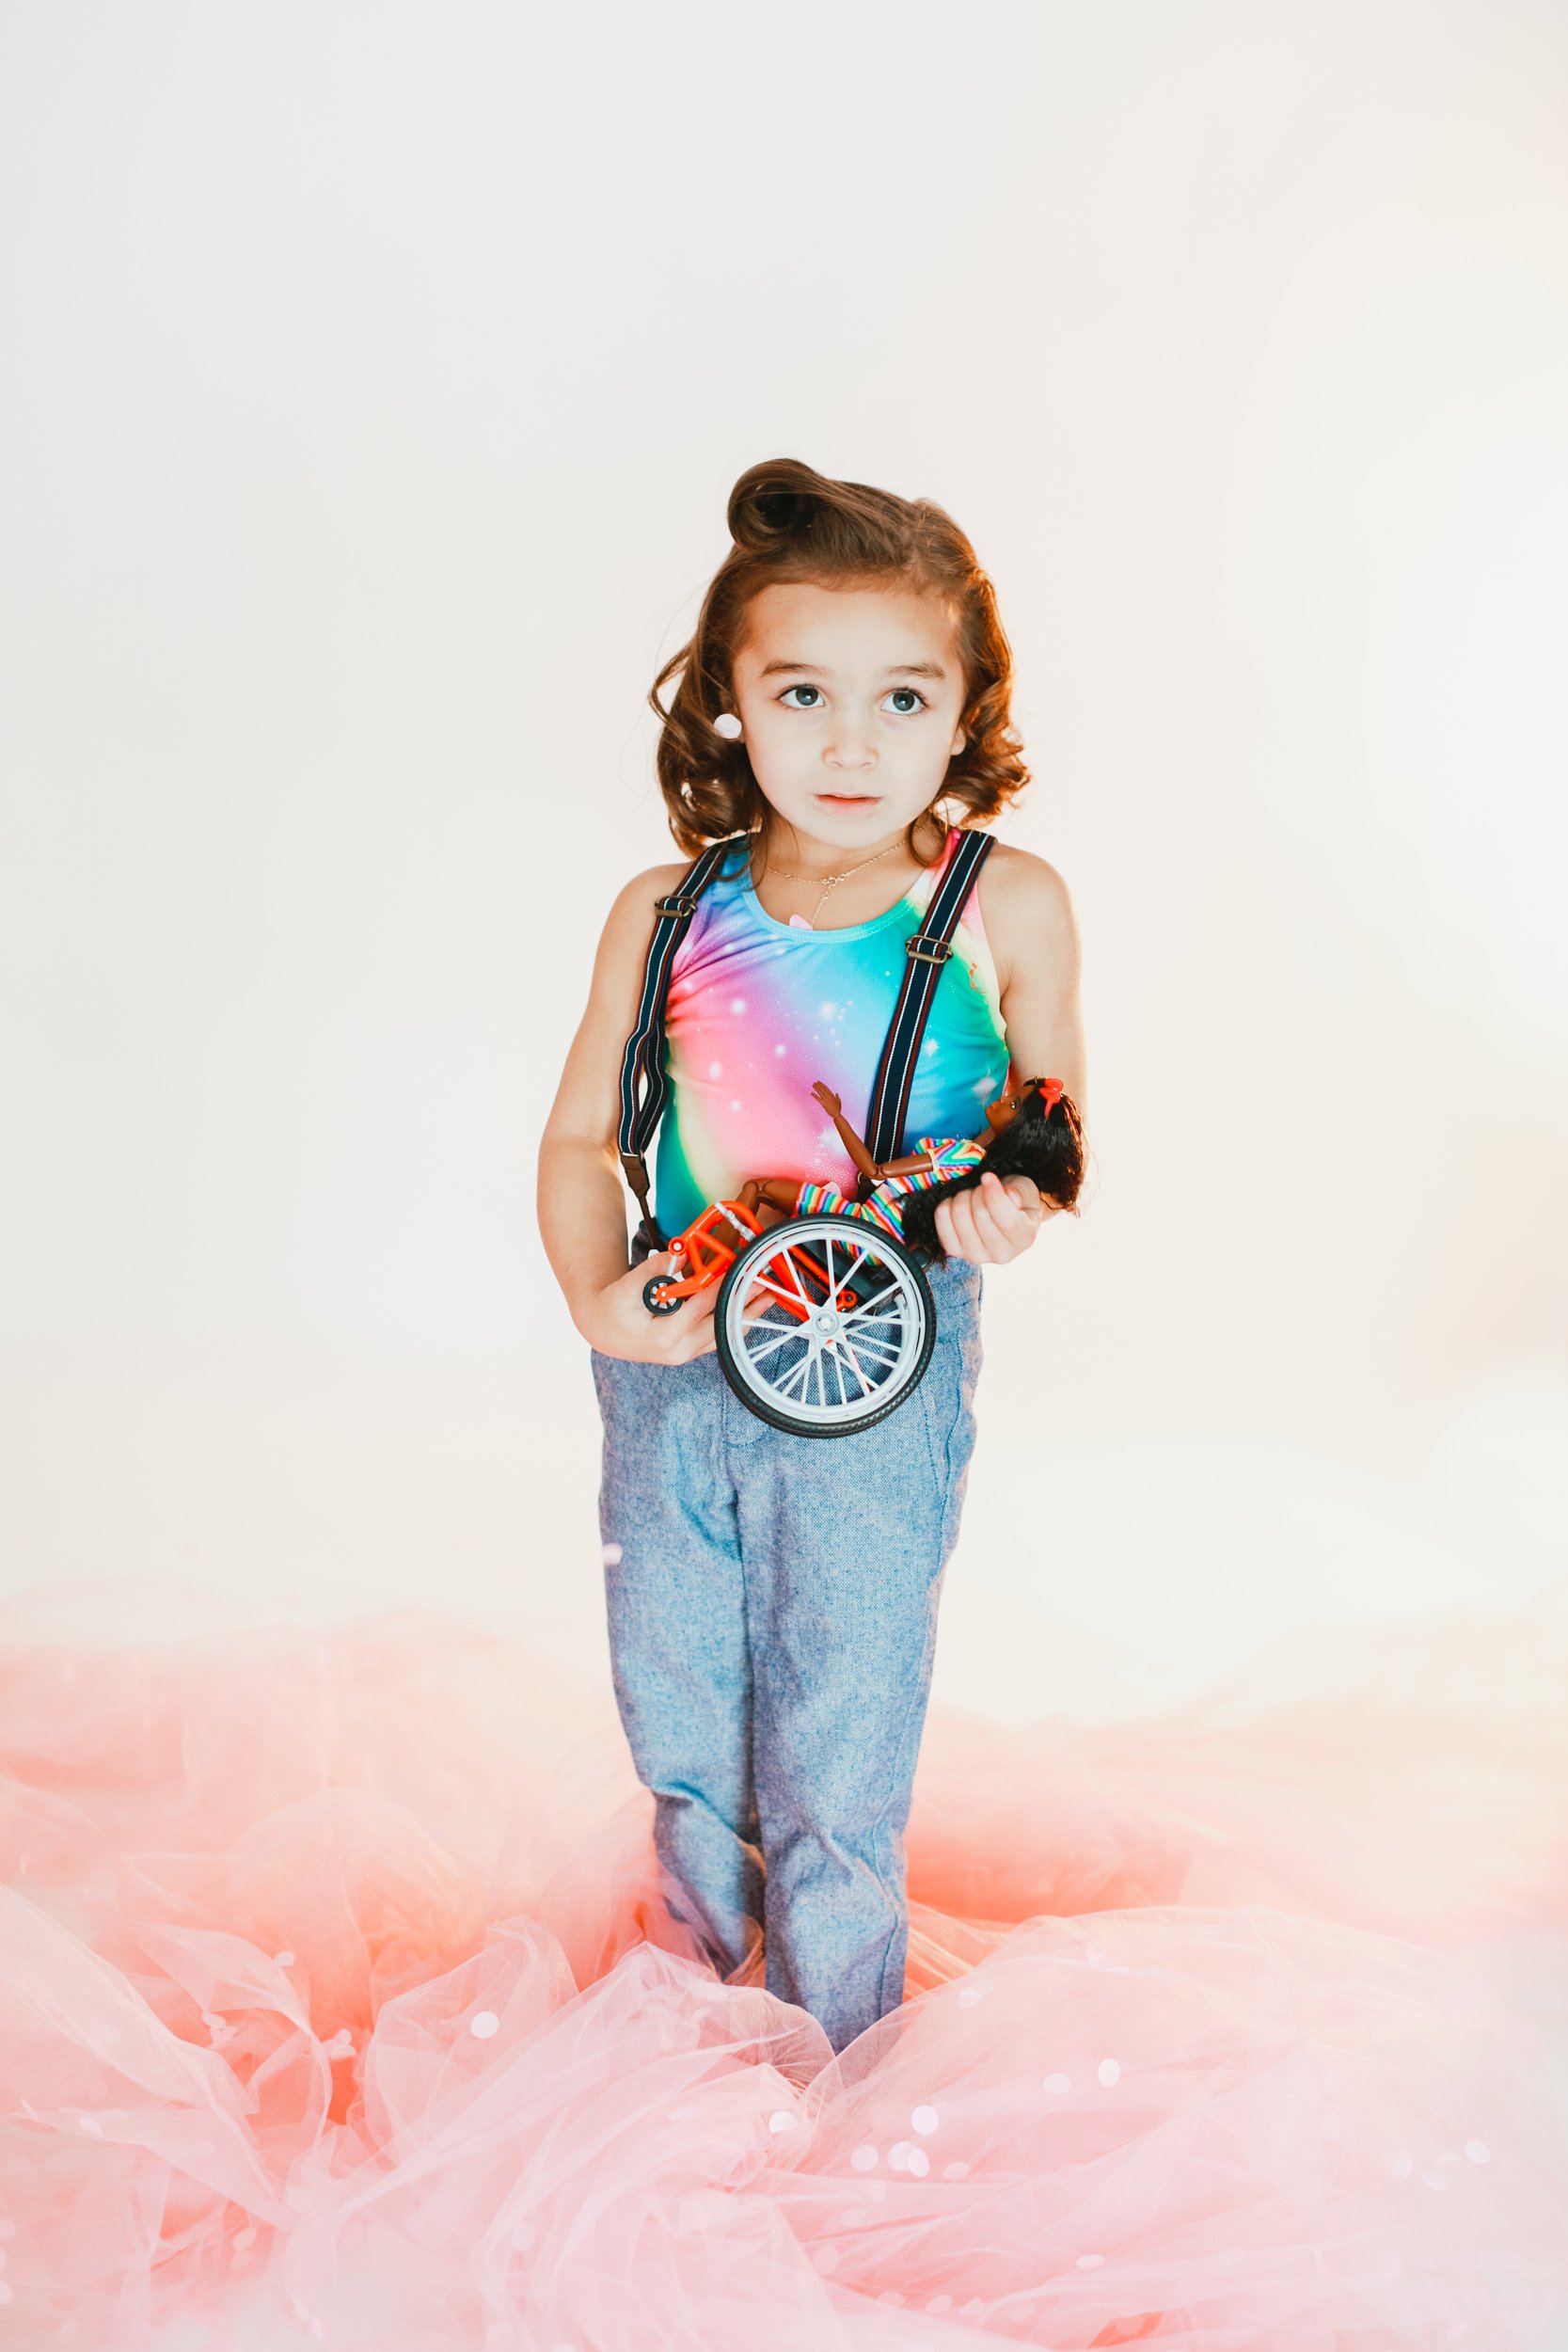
x=376 y=377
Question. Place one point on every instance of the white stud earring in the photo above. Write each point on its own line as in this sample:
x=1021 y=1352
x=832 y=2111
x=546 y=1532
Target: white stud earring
x=727 y=724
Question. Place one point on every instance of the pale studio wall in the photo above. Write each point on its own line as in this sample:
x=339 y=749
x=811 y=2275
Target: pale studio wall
x=378 y=377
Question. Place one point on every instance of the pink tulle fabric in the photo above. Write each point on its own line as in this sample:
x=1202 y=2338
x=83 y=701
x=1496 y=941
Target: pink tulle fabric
x=338 y=2006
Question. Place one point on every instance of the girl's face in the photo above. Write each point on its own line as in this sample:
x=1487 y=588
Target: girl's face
x=849 y=700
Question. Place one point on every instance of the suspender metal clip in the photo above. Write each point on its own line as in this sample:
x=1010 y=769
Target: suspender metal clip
x=932 y=952
x=677 y=904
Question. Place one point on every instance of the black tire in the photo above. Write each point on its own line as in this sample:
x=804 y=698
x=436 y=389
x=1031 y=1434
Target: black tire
x=863 y=1414
x=656 y=1305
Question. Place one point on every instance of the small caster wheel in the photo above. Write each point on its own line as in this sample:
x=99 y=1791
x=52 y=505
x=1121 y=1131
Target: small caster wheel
x=656 y=1299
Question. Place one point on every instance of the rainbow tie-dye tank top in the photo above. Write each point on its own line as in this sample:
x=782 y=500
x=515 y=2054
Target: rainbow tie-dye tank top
x=758 y=1009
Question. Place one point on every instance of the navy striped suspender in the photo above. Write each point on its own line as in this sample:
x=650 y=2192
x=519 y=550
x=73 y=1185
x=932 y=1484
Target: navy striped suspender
x=643 y=1057
x=928 y=950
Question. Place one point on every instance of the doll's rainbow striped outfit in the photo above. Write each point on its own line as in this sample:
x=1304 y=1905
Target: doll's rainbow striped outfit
x=950 y=1156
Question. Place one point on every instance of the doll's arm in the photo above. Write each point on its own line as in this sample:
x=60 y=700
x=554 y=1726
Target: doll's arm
x=855 y=1145
x=905 y=1167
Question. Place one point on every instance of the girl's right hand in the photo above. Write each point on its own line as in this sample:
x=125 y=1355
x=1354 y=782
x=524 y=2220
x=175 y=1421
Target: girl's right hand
x=617 y=1322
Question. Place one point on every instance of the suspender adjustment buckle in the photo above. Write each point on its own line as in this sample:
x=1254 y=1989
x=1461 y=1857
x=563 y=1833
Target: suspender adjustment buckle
x=676 y=904
x=932 y=952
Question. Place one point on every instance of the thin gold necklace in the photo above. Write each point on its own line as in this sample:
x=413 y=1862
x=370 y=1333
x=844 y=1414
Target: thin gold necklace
x=808 y=923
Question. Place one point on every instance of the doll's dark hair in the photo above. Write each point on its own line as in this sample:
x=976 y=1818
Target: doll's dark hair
x=788 y=522
x=1044 y=1145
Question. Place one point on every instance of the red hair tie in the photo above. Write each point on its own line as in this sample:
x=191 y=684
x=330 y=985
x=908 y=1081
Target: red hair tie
x=1051 y=1091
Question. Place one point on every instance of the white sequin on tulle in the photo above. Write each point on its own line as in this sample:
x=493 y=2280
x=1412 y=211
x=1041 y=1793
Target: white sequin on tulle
x=482 y=2024
x=1057 y=2084
x=923 y=2120
x=1109 y=2072
x=865 y=2159
x=780 y=2120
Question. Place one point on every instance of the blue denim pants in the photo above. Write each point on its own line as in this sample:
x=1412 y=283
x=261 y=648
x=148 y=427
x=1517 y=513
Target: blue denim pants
x=772 y=1610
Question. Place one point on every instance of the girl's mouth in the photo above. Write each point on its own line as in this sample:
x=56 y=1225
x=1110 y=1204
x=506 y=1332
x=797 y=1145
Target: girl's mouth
x=847 y=799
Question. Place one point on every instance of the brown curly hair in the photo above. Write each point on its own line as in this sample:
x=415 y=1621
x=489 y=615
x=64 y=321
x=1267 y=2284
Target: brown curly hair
x=790 y=523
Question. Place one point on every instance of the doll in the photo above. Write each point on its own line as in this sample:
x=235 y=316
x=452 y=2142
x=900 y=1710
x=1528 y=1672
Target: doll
x=1034 y=1133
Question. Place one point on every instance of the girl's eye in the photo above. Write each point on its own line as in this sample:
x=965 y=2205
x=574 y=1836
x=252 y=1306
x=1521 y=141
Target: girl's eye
x=906 y=699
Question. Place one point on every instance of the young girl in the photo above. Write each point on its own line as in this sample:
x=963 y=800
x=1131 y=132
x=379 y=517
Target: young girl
x=841 y=713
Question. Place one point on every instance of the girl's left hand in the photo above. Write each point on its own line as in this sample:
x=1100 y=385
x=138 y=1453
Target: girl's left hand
x=992 y=1222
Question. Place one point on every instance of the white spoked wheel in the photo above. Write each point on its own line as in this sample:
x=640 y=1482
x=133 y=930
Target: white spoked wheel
x=824 y=1325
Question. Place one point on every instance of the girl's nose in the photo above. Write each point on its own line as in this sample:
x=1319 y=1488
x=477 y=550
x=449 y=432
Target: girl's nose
x=852 y=747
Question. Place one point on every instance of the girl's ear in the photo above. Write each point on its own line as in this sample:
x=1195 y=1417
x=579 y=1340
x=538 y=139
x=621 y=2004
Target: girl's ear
x=957 y=744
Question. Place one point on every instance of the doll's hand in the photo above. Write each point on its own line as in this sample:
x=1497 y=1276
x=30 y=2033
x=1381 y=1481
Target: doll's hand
x=991 y=1221
x=828 y=1099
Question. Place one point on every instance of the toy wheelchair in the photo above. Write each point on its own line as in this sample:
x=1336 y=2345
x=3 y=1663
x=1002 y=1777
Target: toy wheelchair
x=824 y=1323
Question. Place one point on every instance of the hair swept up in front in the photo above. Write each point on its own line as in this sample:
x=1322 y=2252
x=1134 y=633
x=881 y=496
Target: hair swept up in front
x=789 y=523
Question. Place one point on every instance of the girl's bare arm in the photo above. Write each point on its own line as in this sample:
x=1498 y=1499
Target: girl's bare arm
x=582 y=1192
x=1033 y=930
